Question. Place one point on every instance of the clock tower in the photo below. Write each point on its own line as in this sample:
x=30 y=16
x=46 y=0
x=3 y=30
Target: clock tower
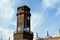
x=23 y=31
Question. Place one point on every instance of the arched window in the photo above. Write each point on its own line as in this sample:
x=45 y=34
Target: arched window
x=26 y=29
x=20 y=28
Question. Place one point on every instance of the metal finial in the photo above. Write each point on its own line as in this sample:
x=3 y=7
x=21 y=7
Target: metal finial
x=59 y=31
x=47 y=33
x=9 y=38
x=36 y=34
x=1 y=38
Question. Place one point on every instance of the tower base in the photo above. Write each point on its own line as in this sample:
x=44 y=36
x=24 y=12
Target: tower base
x=23 y=36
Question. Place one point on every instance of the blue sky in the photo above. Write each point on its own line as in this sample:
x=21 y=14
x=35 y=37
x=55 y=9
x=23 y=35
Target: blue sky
x=45 y=16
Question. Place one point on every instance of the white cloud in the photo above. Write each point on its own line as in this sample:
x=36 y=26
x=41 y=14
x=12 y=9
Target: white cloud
x=7 y=9
x=35 y=20
x=49 y=3
x=6 y=14
x=58 y=12
x=6 y=32
x=4 y=1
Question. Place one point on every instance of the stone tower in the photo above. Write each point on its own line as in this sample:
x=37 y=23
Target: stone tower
x=23 y=31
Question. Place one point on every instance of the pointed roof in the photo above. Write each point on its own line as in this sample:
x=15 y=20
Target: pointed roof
x=36 y=34
x=1 y=38
x=9 y=38
x=47 y=35
x=59 y=31
x=58 y=35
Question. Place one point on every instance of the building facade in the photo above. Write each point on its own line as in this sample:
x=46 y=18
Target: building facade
x=48 y=37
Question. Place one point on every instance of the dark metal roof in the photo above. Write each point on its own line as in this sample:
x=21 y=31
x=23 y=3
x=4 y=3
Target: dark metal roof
x=24 y=6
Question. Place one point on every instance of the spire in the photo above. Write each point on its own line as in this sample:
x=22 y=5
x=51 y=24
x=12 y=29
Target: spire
x=47 y=33
x=36 y=34
x=58 y=34
x=9 y=38
x=1 y=38
x=59 y=31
